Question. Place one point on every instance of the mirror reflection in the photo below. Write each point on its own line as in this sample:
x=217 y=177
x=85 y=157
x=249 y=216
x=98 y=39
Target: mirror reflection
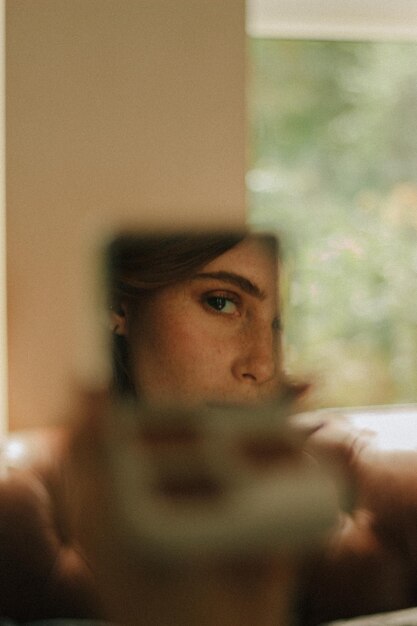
x=195 y=319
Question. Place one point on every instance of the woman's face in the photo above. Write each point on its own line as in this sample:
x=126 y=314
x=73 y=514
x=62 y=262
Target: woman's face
x=213 y=339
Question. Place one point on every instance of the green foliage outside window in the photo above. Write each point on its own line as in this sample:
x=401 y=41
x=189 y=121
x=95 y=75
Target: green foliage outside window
x=333 y=165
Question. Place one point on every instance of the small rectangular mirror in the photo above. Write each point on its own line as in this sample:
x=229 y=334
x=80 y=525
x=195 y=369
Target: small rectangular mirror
x=195 y=319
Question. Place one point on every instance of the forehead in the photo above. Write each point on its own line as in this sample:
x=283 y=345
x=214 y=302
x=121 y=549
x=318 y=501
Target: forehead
x=254 y=258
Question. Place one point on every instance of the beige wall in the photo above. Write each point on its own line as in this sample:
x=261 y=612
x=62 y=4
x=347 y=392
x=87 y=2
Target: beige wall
x=132 y=107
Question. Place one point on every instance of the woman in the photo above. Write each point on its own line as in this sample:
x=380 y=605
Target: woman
x=195 y=323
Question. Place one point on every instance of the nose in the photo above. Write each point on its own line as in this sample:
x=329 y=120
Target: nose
x=257 y=362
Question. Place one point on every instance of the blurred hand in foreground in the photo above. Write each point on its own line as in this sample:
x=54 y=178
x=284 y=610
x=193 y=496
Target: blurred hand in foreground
x=247 y=585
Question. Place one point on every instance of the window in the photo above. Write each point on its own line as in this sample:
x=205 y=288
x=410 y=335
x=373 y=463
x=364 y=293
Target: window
x=333 y=164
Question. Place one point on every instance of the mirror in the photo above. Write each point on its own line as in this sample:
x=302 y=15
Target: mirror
x=195 y=319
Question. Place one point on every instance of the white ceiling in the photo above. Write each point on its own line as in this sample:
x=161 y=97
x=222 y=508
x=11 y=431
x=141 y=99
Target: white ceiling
x=333 y=19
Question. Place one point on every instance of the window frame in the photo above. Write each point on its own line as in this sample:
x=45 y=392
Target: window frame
x=352 y=20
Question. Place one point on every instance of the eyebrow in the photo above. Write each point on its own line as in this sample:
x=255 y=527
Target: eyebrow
x=237 y=280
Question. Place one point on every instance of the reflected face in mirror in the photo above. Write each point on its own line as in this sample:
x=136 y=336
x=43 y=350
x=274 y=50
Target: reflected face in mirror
x=211 y=338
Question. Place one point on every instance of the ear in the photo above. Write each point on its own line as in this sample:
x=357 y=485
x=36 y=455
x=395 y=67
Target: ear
x=118 y=320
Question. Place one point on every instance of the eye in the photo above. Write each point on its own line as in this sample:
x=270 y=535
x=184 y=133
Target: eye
x=221 y=303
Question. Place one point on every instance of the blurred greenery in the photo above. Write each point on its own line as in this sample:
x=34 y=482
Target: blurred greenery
x=333 y=165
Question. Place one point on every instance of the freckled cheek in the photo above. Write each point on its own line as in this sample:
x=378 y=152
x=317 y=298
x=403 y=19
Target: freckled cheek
x=196 y=346
x=184 y=352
